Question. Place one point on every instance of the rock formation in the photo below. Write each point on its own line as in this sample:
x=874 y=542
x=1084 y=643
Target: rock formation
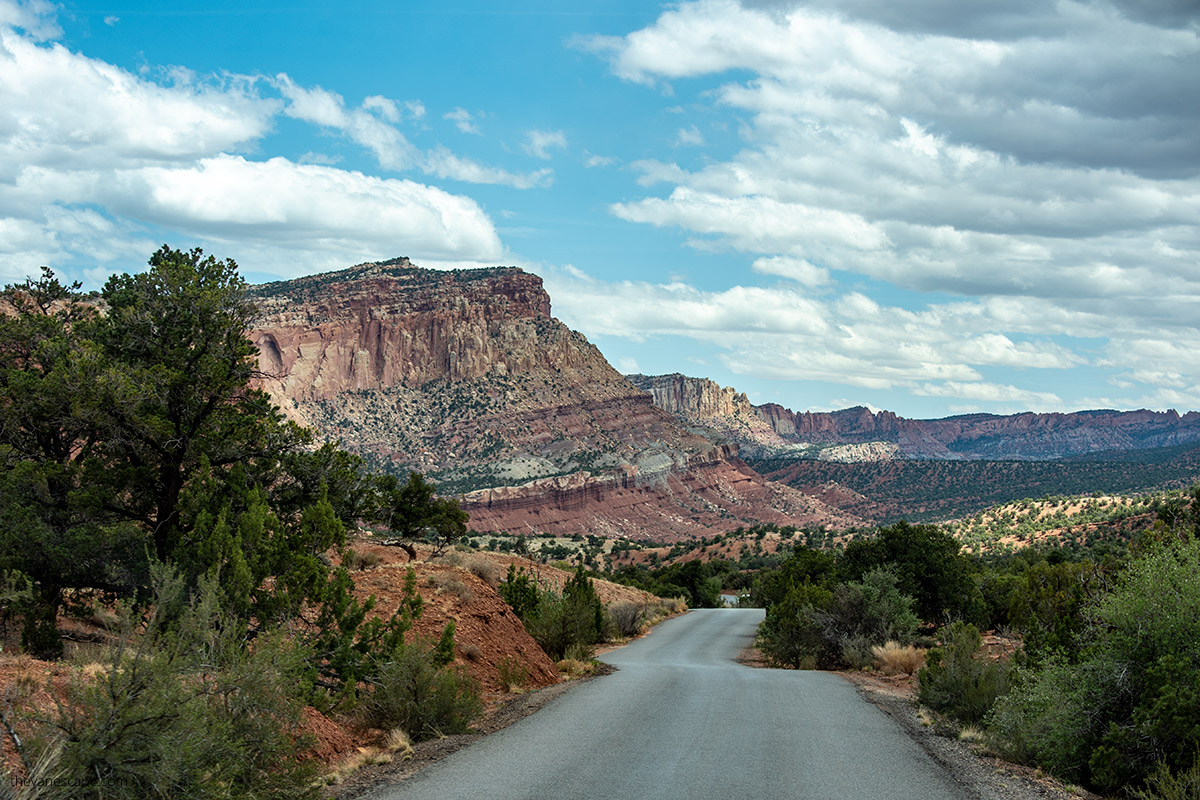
x=770 y=430
x=467 y=377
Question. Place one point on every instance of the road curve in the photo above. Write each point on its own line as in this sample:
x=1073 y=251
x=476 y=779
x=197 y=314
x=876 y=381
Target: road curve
x=681 y=719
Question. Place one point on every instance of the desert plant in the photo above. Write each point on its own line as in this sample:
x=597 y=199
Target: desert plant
x=626 y=618
x=791 y=635
x=446 y=583
x=520 y=592
x=1131 y=699
x=893 y=658
x=511 y=673
x=410 y=692
x=1166 y=784
x=958 y=679
x=858 y=652
x=484 y=568
x=360 y=559
x=184 y=710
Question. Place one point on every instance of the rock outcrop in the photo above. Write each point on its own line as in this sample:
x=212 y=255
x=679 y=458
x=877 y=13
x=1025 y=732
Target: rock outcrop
x=466 y=376
x=770 y=430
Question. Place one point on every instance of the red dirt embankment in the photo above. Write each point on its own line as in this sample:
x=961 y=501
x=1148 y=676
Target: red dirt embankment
x=458 y=587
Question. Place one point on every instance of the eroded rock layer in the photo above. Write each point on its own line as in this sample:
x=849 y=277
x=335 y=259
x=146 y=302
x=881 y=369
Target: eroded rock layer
x=860 y=434
x=467 y=377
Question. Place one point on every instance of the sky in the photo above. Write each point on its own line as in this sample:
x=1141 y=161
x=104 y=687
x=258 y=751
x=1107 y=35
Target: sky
x=926 y=206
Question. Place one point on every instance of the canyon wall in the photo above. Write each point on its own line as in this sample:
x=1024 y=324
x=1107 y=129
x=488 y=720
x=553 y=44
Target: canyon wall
x=772 y=431
x=466 y=376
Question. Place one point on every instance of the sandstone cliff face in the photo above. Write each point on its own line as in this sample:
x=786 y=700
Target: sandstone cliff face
x=467 y=377
x=722 y=413
x=770 y=430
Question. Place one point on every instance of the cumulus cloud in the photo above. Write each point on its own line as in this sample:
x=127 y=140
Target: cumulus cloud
x=97 y=164
x=369 y=125
x=1037 y=160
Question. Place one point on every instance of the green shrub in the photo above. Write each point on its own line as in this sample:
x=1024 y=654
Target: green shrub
x=511 y=673
x=560 y=622
x=1165 y=784
x=412 y=693
x=520 y=592
x=791 y=635
x=836 y=629
x=1131 y=700
x=958 y=679
x=187 y=711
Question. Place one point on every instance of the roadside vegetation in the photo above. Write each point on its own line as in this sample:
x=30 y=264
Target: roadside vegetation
x=1102 y=684
x=144 y=483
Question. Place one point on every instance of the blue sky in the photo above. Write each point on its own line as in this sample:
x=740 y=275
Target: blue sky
x=926 y=206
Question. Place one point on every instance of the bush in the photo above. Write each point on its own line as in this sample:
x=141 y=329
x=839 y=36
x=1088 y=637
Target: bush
x=830 y=630
x=958 y=679
x=511 y=673
x=894 y=658
x=188 y=711
x=791 y=635
x=410 y=692
x=520 y=592
x=1132 y=698
x=355 y=560
x=484 y=568
x=626 y=618
x=1165 y=784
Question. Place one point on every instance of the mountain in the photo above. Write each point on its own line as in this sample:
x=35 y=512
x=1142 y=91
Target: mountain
x=860 y=434
x=466 y=376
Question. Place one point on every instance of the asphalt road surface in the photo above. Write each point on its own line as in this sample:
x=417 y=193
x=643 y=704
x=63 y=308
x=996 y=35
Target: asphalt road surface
x=681 y=719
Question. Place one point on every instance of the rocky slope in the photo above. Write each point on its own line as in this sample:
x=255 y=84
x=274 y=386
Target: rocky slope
x=859 y=434
x=467 y=377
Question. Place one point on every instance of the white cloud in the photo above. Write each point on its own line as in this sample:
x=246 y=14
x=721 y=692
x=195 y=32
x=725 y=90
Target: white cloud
x=993 y=393
x=463 y=120
x=99 y=165
x=444 y=164
x=363 y=125
x=35 y=17
x=846 y=339
x=539 y=143
x=689 y=137
x=796 y=269
x=1030 y=160
x=593 y=161
x=382 y=106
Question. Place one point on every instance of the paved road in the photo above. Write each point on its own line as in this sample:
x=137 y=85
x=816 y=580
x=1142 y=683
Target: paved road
x=681 y=719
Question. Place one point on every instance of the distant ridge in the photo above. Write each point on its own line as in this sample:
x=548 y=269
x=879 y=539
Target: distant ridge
x=771 y=430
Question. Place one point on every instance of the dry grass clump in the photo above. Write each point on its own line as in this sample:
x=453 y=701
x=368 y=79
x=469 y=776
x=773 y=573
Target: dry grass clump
x=484 y=568
x=512 y=675
x=359 y=560
x=574 y=668
x=664 y=607
x=443 y=582
x=397 y=741
x=364 y=757
x=894 y=658
x=970 y=733
x=626 y=618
